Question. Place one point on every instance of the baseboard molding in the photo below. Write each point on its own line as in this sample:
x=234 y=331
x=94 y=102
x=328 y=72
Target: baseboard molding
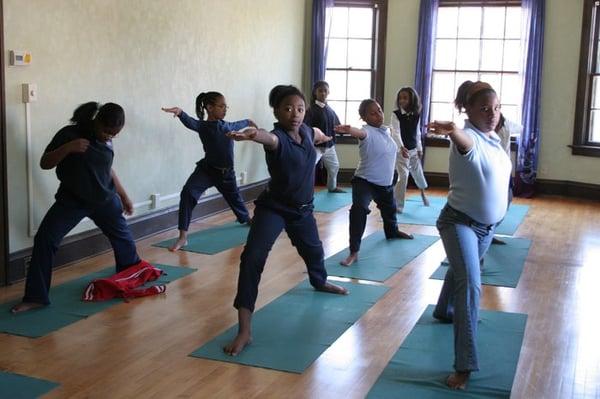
x=93 y=242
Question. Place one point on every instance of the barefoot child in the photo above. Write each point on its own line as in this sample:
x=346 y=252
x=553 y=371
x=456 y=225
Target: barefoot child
x=406 y=132
x=373 y=178
x=285 y=204
x=216 y=168
x=479 y=171
x=83 y=155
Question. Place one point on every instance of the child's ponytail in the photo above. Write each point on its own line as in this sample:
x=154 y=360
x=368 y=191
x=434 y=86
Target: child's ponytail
x=205 y=99
x=85 y=113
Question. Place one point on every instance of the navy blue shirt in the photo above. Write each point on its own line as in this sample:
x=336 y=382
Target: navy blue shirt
x=409 y=123
x=292 y=167
x=218 y=148
x=323 y=118
x=85 y=178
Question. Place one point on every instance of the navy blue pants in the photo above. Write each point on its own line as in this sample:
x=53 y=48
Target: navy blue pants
x=204 y=177
x=363 y=193
x=63 y=217
x=268 y=222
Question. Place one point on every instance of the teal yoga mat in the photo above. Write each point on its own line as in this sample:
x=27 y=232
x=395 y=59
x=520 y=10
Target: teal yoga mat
x=17 y=386
x=67 y=307
x=502 y=264
x=416 y=213
x=213 y=240
x=419 y=368
x=379 y=258
x=325 y=201
x=292 y=331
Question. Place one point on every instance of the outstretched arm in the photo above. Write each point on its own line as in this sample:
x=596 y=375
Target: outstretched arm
x=187 y=120
x=461 y=140
x=261 y=136
x=319 y=137
x=127 y=204
x=352 y=131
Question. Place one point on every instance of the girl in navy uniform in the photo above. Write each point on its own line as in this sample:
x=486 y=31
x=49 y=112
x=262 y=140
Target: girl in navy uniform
x=285 y=204
x=83 y=155
x=406 y=132
x=373 y=178
x=216 y=168
x=320 y=115
x=479 y=173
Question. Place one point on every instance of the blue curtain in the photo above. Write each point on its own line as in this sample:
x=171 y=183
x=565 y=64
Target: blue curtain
x=529 y=142
x=425 y=53
x=318 y=47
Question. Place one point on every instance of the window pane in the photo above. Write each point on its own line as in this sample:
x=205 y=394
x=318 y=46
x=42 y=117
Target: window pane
x=359 y=85
x=462 y=76
x=360 y=22
x=513 y=22
x=495 y=80
x=595 y=92
x=469 y=22
x=445 y=54
x=512 y=113
x=340 y=109
x=493 y=22
x=441 y=111
x=491 y=55
x=512 y=55
x=337 y=84
x=512 y=92
x=595 y=126
x=359 y=53
x=447 y=22
x=339 y=21
x=467 y=54
x=352 y=117
x=442 y=86
x=336 y=53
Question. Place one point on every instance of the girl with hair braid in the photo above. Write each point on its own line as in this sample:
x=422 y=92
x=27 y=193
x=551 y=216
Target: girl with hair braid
x=216 y=168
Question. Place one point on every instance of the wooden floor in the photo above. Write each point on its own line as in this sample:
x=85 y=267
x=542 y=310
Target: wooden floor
x=140 y=349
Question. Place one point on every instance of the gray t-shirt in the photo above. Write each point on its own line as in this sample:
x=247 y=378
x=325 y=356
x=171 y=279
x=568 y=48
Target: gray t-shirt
x=377 y=152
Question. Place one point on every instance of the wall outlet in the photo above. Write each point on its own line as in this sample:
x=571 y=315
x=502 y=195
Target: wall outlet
x=243 y=177
x=154 y=201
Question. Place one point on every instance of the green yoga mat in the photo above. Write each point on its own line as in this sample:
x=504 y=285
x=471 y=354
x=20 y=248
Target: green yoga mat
x=379 y=258
x=416 y=213
x=502 y=264
x=17 y=386
x=420 y=367
x=67 y=307
x=213 y=240
x=292 y=331
x=325 y=201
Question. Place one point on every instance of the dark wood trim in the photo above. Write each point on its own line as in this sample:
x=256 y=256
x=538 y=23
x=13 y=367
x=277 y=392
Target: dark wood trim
x=480 y=3
x=567 y=189
x=434 y=179
x=93 y=242
x=4 y=243
x=587 y=64
x=346 y=139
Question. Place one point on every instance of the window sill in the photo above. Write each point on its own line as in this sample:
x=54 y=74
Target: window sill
x=585 y=150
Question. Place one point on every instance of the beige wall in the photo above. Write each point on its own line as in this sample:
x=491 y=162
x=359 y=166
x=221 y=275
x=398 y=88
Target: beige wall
x=560 y=68
x=143 y=54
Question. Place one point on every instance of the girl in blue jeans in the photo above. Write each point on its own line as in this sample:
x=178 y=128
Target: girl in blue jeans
x=479 y=171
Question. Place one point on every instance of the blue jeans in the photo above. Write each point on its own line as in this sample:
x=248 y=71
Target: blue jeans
x=466 y=241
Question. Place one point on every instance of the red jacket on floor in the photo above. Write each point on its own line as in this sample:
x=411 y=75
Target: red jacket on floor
x=125 y=284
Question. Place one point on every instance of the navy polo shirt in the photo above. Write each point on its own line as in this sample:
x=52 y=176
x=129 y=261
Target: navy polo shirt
x=292 y=167
x=85 y=178
x=323 y=118
x=218 y=148
x=409 y=123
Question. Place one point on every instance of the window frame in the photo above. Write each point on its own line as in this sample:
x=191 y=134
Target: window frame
x=588 y=60
x=377 y=48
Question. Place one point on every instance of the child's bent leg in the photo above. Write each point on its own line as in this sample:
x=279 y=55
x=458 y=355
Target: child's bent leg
x=416 y=171
x=361 y=198
x=56 y=224
x=109 y=218
x=384 y=198
x=244 y=335
x=332 y=165
x=198 y=182
x=227 y=186
x=400 y=187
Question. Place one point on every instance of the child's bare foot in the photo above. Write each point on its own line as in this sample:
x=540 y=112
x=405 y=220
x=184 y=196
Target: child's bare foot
x=333 y=289
x=25 y=306
x=181 y=241
x=235 y=347
x=353 y=257
x=424 y=197
x=498 y=241
x=337 y=190
x=458 y=380
x=402 y=235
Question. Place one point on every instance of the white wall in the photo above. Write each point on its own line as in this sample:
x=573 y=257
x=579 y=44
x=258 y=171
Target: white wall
x=143 y=54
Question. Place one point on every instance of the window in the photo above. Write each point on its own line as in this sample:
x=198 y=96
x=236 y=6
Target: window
x=477 y=40
x=355 y=42
x=586 y=135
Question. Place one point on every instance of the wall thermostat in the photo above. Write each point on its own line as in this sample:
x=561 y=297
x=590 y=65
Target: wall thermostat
x=20 y=57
